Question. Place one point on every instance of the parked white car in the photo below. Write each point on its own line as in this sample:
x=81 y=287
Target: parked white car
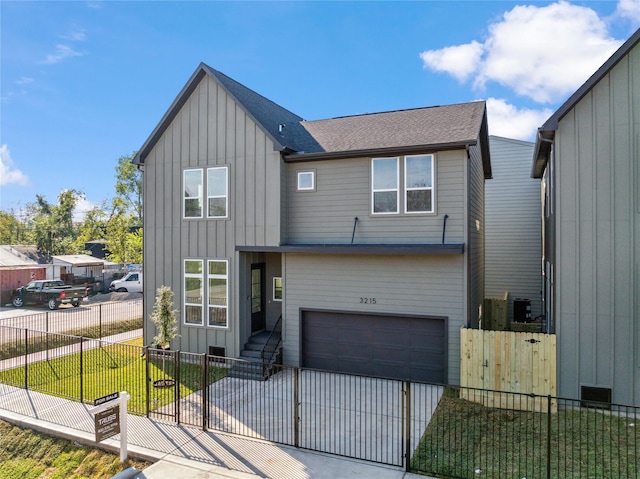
x=131 y=283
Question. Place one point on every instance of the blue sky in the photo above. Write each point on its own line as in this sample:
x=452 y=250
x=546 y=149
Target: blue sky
x=85 y=82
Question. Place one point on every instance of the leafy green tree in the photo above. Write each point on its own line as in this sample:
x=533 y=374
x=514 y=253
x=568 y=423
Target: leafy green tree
x=51 y=226
x=164 y=317
x=118 y=227
x=11 y=228
x=92 y=228
x=134 y=246
x=129 y=186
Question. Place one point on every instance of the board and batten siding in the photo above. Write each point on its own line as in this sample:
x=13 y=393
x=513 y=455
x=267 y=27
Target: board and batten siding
x=209 y=130
x=403 y=285
x=513 y=231
x=475 y=226
x=598 y=237
x=343 y=192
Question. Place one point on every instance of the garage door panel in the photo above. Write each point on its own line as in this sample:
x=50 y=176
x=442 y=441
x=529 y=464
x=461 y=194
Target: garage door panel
x=375 y=345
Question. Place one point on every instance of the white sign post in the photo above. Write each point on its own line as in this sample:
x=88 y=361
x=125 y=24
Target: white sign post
x=107 y=424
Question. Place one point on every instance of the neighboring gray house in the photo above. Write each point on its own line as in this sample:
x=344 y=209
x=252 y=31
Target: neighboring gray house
x=513 y=225
x=588 y=156
x=364 y=233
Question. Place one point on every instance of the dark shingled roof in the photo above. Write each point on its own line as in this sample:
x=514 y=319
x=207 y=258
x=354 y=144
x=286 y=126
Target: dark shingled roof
x=438 y=125
x=420 y=129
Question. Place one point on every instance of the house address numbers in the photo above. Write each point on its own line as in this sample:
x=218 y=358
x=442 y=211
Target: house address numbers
x=367 y=300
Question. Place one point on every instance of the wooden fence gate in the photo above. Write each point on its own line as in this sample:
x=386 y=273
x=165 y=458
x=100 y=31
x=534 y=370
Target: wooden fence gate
x=514 y=362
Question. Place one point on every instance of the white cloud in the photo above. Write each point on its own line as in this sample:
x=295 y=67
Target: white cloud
x=24 y=81
x=629 y=9
x=83 y=206
x=460 y=61
x=509 y=121
x=62 y=52
x=78 y=36
x=544 y=53
x=8 y=173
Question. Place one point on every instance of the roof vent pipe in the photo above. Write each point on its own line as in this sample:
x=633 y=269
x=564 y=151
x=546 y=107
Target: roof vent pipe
x=281 y=128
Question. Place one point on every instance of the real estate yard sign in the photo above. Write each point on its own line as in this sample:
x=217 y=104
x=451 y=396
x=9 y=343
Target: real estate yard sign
x=107 y=423
x=108 y=411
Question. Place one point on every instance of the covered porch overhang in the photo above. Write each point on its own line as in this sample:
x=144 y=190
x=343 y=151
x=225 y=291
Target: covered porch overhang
x=360 y=249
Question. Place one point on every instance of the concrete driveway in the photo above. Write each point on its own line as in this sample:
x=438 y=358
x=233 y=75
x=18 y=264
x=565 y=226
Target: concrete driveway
x=352 y=416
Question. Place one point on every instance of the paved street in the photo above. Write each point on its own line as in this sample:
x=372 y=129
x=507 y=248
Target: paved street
x=66 y=317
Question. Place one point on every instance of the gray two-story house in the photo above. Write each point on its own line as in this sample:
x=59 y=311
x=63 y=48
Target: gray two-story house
x=587 y=155
x=360 y=237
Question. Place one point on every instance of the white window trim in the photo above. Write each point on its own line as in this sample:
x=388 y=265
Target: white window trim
x=275 y=278
x=396 y=189
x=184 y=288
x=431 y=188
x=313 y=180
x=185 y=198
x=225 y=196
x=226 y=278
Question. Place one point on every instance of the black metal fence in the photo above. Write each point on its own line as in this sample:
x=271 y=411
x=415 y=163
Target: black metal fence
x=433 y=429
x=90 y=320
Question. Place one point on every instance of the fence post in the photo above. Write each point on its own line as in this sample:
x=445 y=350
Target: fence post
x=176 y=386
x=296 y=418
x=147 y=378
x=26 y=358
x=549 y=437
x=46 y=330
x=407 y=427
x=81 y=368
x=100 y=320
x=205 y=388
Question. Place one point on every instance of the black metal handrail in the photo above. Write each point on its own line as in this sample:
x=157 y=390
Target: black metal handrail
x=270 y=348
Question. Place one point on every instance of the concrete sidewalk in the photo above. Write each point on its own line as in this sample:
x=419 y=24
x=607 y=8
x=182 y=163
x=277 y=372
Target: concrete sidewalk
x=184 y=452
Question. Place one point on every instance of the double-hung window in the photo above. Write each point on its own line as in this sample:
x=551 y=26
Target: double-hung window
x=193 y=291
x=192 y=187
x=418 y=184
x=217 y=197
x=385 y=180
x=413 y=177
x=218 y=293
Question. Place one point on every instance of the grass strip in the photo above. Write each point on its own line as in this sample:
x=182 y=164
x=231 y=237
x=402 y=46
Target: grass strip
x=41 y=341
x=27 y=454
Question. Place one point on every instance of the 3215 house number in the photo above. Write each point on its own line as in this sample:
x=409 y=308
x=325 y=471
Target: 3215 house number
x=367 y=300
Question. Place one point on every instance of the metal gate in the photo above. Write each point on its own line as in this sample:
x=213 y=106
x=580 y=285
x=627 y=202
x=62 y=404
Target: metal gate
x=163 y=382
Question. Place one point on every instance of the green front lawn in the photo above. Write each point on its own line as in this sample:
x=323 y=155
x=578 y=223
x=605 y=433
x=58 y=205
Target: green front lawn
x=465 y=439
x=111 y=368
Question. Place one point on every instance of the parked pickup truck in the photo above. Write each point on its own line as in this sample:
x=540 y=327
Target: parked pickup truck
x=51 y=292
x=131 y=283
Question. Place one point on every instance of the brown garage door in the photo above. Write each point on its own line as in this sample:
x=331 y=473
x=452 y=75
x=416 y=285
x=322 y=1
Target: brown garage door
x=375 y=345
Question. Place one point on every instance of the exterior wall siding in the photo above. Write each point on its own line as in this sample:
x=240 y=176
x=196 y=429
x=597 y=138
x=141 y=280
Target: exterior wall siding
x=475 y=228
x=209 y=130
x=513 y=225
x=598 y=240
x=413 y=285
x=343 y=192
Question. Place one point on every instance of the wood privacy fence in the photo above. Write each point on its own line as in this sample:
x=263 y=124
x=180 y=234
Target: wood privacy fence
x=508 y=361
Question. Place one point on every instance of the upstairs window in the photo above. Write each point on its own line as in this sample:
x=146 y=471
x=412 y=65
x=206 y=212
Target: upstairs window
x=418 y=174
x=413 y=177
x=217 y=197
x=306 y=180
x=384 y=182
x=192 y=187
